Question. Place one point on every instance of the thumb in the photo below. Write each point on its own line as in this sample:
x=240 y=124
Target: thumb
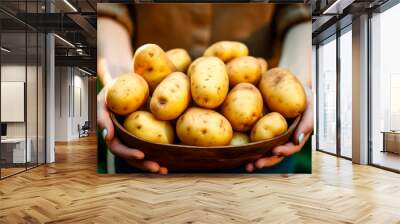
x=305 y=126
x=103 y=117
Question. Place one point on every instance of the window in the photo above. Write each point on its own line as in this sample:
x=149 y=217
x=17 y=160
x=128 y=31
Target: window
x=327 y=96
x=330 y=133
x=346 y=92
x=22 y=76
x=385 y=89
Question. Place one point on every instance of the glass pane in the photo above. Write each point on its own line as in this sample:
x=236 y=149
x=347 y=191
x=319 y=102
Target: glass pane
x=41 y=98
x=385 y=85
x=346 y=94
x=14 y=153
x=31 y=97
x=327 y=97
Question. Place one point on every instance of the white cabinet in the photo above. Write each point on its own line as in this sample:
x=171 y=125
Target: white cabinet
x=19 y=155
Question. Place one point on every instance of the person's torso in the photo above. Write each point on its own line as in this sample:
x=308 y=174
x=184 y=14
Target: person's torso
x=196 y=26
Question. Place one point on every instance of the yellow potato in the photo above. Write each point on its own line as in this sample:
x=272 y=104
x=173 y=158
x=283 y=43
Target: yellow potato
x=180 y=58
x=244 y=69
x=269 y=126
x=203 y=127
x=144 y=125
x=239 y=139
x=243 y=106
x=193 y=64
x=263 y=63
x=209 y=82
x=151 y=62
x=227 y=50
x=283 y=92
x=171 y=97
x=126 y=94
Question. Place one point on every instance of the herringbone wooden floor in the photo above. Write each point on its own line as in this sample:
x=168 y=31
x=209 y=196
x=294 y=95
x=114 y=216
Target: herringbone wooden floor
x=70 y=191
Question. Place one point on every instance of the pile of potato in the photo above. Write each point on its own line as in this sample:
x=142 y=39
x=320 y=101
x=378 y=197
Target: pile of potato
x=223 y=98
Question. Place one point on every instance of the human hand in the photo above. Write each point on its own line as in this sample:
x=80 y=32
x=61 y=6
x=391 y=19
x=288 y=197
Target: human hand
x=300 y=137
x=115 y=58
x=133 y=157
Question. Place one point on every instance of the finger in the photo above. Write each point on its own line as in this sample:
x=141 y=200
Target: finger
x=163 y=170
x=250 y=167
x=289 y=148
x=125 y=152
x=306 y=125
x=268 y=161
x=151 y=166
x=103 y=117
x=103 y=71
x=286 y=150
x=145 y=165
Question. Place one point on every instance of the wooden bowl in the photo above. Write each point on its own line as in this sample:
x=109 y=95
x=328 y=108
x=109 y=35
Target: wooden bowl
x=198 y=158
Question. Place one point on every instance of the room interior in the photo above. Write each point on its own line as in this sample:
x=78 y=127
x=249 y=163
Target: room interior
x=334 y=72
x=28 y=100
x=48 y=94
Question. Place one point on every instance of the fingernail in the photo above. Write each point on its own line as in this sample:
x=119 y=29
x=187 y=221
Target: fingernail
x=301 y=137
x=104 y=133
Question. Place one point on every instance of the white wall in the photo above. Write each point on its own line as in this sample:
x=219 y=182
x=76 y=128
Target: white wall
x=70 y=84
x=33 y=127
x=61 y=103
x=14 y=73
x=81 y=94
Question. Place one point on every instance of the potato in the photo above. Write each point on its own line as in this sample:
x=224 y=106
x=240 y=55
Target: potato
x=269 y=126
x=209 y=82
x=171 y=97
x=227 y=50
x=243 y=106
x=263 y=63
x=244 y=69
x=180 y=58
x=145 y=126
x=203 y=127
x=283 y=92
x=151 y=62
x=126 y=94
x=193 y=64
x=239 y=138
